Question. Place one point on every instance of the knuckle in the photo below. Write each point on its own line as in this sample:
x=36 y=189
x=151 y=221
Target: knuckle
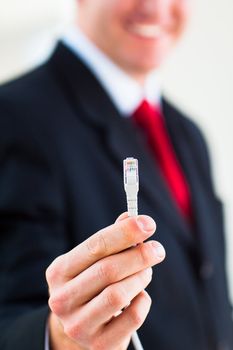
x=144 y=254
x=75 y=331
x=96 y=245
x=55 y=305
x=108 y=271
x=57 y=302
x=115 y=298
x=53 y=272
x=136 y=318
x=98 y=344
x=48 y=274
x=129 y=227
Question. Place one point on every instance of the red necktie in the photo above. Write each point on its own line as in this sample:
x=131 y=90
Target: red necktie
x=153 y=125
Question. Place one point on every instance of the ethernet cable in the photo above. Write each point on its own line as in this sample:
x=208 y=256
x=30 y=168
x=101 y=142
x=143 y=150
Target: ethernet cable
x=131 y=186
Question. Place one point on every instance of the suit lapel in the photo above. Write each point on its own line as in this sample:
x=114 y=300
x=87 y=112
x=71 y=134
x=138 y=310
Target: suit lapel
x=122 y=138
x=207 y=227
x=199 y=194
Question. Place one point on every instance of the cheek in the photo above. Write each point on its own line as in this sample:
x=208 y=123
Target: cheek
x=107 y=19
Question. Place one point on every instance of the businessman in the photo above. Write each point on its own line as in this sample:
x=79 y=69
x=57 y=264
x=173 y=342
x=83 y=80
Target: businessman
x=74 y=271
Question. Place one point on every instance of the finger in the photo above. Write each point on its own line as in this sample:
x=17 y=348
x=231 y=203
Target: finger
x=123 y=216
x=113 y=299
x=108 y=241
x=111 y=270
x=126 y=323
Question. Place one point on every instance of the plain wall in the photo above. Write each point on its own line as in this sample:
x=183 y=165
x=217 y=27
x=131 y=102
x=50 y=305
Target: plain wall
x=198 y=76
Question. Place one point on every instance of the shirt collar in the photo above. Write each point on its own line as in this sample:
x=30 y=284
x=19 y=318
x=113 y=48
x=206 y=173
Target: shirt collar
x=125 y=92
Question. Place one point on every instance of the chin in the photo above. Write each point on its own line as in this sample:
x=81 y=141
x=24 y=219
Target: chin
x=146 y=65
x=149 y=60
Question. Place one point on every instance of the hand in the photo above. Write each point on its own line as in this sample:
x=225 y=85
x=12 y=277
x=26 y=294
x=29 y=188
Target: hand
x=91 y=285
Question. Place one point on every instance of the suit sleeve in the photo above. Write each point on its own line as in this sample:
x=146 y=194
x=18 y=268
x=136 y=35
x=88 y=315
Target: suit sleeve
x=32 y=226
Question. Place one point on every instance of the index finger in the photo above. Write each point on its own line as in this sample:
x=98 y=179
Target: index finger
x=110 y=240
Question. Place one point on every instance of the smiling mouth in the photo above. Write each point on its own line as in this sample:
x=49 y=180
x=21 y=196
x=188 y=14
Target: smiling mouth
x=149 y=31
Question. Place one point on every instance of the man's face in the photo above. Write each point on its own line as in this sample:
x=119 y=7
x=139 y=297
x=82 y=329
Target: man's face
x=135 y=34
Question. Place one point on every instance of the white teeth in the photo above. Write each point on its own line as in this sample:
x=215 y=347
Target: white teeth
x=147 y=30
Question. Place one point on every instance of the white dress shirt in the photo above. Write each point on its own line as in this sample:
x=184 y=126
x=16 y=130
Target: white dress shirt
x=125 y=92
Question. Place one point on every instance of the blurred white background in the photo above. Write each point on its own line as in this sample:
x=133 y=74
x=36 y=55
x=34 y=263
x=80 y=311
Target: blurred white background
x=198 y=77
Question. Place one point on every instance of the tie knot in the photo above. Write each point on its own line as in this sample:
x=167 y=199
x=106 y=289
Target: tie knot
x=146 y=114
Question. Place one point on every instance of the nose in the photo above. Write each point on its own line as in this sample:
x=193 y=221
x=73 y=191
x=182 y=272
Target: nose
x=151 y=5
x=151 y=8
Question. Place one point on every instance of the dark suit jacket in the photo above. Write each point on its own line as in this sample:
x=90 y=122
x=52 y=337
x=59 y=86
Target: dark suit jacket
x=62 y=143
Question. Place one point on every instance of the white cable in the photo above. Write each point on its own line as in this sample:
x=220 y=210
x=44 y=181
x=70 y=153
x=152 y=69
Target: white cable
x=131 y=186
x=136 y=341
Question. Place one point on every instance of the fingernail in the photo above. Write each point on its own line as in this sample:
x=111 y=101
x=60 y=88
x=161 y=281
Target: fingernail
x=159 y=250
x=146 y=223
